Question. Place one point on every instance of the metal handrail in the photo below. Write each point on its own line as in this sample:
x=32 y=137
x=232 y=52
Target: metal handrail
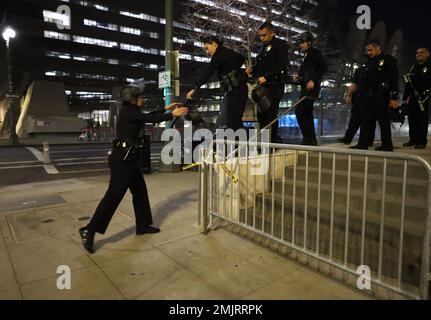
x=369 y=156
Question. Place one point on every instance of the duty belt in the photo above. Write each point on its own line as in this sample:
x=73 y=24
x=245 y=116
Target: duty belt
x=128 y=151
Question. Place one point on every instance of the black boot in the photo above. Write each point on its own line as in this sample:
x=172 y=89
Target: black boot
x=385 y=148
x=409 y=144
x=358 y=147
x=87 y=237
x=344 y=141
x=147 y=229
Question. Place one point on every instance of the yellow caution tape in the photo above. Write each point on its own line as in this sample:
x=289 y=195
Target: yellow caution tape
x=235 y=179
x=187 y=167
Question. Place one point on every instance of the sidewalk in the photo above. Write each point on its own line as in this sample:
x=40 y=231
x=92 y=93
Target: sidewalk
x=39 y=224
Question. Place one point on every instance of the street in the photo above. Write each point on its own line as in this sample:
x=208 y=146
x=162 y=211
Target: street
x=19 y=165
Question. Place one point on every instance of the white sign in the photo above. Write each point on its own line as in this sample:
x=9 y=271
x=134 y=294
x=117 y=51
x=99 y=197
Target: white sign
x=164 y=79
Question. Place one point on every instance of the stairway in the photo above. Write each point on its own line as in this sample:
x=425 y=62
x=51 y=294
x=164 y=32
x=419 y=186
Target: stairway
x=303 y=211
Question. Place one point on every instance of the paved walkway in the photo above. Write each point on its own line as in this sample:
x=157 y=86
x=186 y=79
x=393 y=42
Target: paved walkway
x=39 y=224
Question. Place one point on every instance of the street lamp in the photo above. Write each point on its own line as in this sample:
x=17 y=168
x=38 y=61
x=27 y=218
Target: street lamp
x=8 y=34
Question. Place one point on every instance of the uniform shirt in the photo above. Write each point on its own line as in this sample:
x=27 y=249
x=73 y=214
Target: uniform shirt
x=382 y=76
x=223 y=61
x=421 y=78
x=131 y=120
x=272 y=61
x=313 y=67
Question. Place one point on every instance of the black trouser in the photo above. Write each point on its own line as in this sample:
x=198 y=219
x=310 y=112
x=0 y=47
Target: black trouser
x=355 y=123
x=375 y=108
x=233 y=108
x=276 y=91
x=418 y=123
x=305 y=117
x=124 y=175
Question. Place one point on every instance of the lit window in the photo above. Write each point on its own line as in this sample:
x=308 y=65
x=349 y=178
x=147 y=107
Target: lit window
x=181 y=41
x=100 y=25
x=94 y=5
x=95 y=77
x=59 y=55
x=57 y=18
x=93 y=41
x=55 y=73
x=56 y=35
x=130 y=30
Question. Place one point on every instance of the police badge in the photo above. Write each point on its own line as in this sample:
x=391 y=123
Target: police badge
x=381 y=63
x=425 y=70
x=268 y=48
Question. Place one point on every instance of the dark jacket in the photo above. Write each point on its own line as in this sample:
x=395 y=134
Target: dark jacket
x=131 y=120
x=272 y=61
x=421 y=78
x=382 y=76
x=359 y=77
x=313 y=67
x=223 y=61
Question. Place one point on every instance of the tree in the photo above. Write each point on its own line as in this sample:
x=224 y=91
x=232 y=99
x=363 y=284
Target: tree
x=237 y=21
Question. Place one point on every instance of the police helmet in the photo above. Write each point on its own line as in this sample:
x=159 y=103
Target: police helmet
x=305 y=37
x=132 y=90
x=261 y=97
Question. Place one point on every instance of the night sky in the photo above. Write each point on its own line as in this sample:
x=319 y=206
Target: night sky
x=411 y=16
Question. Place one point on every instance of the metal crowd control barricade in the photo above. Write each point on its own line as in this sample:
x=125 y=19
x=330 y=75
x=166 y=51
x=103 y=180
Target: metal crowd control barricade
x=344 y=208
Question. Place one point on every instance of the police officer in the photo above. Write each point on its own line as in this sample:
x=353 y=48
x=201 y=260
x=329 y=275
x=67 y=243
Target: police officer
x=270 y=70
x=125 y=173
x=417 y=97
x=356 y=87
x=233 y=79
x=380 y=93
x=312 y=69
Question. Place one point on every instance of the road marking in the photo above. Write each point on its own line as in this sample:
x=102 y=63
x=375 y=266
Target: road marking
x=79 y=163
x=22 y=167
x=19 y=162
x=77 y=159
x=83 y=150
x=81 y=171
x=49 y=168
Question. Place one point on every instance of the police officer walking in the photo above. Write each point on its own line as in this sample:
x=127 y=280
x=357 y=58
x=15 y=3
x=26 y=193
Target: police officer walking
x=380 y=93
x=270 y=70
x=233 y=79
x=311 y=73
x=123 y=165
x=355 y=89
x=417 y=97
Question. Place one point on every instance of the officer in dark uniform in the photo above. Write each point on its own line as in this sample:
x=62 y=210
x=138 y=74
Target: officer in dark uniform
x=417 y=97
x=311 y=72
x=125 y=173
x=380 y=93
x=356 y=87
x=233 y=79
x=271 y=72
